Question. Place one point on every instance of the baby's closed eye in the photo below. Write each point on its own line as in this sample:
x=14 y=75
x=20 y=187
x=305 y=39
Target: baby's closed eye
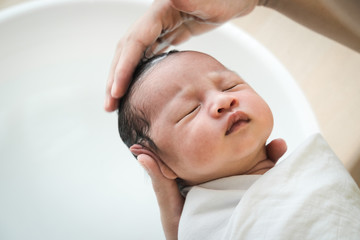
x=191 y=111
x=232 y=87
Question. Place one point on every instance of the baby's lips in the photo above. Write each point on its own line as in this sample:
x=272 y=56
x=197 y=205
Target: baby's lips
x=235 y=118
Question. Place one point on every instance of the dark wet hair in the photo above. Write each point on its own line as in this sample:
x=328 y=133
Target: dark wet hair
x=133 y=123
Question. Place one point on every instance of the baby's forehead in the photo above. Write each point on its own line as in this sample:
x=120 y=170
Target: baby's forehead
x=179 y=70
x=185 y=65
x=175 y=72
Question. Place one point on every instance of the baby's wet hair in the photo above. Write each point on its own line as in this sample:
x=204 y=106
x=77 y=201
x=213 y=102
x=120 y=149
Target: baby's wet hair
x=133 y=123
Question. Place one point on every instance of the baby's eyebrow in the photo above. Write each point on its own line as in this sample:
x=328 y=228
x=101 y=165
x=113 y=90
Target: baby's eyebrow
x=225 y=76
x=215 y=76
x=218 y=76
x=175 y=98
x=179 y=102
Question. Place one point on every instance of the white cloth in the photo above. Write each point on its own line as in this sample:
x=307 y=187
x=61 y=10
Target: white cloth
x=310 y=195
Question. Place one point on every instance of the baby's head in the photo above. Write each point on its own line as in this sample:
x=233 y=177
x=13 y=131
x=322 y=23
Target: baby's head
x=201 y=120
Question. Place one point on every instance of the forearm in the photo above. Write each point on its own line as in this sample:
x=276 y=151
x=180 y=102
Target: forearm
x=336 y=19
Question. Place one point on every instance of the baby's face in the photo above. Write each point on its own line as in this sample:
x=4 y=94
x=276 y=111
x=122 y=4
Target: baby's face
x=206 y=121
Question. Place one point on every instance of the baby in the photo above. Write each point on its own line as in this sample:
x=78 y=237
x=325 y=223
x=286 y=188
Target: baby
x=201 y=120
x=207 y=128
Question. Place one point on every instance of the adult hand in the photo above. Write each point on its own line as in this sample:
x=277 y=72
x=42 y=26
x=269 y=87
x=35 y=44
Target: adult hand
x=167 y=193
x=167 y=22
x=169 y=199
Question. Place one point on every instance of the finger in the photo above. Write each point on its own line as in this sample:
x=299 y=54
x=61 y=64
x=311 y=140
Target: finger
x=218 y=11
x=162 y=185
x=158 y=47
x=110 y=102
x=177 y=36
x=169 y=199
x=165 y=189
x=173 y=37
x=142 y=34
x=152 y=168
x=129 y=58
x=275 y=149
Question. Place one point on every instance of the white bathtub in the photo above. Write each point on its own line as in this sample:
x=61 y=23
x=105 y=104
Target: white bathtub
x=64 y=173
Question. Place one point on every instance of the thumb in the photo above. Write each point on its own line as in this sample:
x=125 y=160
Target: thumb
x=167 y=194
x=162 y=185
x=151 y=167
x=275 y=149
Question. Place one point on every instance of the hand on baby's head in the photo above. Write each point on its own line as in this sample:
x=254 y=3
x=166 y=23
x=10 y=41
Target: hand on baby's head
x=201 y=120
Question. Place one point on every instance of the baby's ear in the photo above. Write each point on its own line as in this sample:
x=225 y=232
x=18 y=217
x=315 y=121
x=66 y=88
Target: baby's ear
x=137 y=149
x=167 y=172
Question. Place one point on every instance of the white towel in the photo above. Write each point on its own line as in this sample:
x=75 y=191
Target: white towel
x=310 y=195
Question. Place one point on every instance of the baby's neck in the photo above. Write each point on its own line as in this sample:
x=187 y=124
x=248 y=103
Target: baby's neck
x=262 y=167
x=263 y=164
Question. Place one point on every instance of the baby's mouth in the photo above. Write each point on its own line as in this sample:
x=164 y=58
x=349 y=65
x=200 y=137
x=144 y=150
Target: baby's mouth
x=236 y=121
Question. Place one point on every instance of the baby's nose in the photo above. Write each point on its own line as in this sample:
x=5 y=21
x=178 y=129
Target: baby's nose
x=222 y=104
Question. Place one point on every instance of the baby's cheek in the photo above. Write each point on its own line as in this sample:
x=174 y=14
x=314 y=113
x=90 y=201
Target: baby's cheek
x=259 y=111
x=200 y=146
x=266 y=119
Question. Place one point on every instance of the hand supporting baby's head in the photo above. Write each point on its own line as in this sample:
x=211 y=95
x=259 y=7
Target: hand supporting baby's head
x=133 y=123
x=201 y=120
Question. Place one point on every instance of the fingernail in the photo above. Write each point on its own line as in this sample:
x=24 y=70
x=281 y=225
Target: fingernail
x=106 y=102
x=148 y=53
x=161 y=46
x=114 y=90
